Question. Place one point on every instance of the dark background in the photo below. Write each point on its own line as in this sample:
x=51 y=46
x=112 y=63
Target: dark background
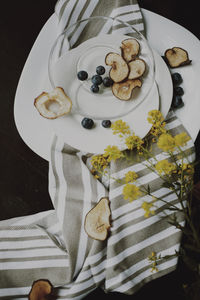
x=23 y=174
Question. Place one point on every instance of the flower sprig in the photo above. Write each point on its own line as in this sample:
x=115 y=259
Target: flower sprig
x=171 y=166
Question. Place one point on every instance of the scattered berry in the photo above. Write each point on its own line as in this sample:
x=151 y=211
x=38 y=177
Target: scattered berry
x=100 y=70
x=178 y=90
x=87 y=123
x=97 y=79
x=177 y=78
x=82 y=75
x=106 y=123
x=94 y=88
x=107 y=81
x=177 y=102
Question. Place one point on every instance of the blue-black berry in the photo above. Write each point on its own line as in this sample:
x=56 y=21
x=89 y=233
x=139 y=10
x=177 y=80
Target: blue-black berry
x=82 y=75
x=107 y=81
x=87 y=123
x=177 y=78
x=100 y=70
x=106 y=123
x=178 y=90
x=177 y=102
x=94 y=88
x=97 y=79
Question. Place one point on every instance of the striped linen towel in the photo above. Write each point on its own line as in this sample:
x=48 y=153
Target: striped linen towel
x=53 y=245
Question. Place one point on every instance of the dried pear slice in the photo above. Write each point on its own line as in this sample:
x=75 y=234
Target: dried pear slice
x=120 y=69
x=43 y=101
x=97 y=220
x=41 y=290
x=130 y=49
x=123 y=90
x=137 y=68
x=177 y=57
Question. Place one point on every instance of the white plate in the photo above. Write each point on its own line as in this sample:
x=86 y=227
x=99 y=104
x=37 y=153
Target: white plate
x=37 y=134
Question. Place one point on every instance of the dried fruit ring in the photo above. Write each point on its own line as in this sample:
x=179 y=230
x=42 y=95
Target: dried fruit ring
x=43 y=101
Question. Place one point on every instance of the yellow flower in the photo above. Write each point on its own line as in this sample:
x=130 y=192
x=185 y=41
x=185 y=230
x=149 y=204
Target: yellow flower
x=147 y=206
x=166 y=142
x=133 y=141
x=112 y=153
x=153 y=259
x=131 y=192
x=188 y=171
x=120 y=127
x=99 y=162
x=155 y=116
x=181 y=139
x=164 y=166
x=131 y=176
x=189 y=168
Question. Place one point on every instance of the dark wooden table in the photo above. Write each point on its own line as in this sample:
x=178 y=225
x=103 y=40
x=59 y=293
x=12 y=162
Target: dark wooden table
x=23 y=174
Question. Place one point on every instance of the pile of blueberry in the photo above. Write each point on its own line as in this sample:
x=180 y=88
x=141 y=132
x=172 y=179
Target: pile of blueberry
x=178 y=91
x=97 y=79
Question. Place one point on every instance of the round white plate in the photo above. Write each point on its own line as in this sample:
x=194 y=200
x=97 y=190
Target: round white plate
x=37 y=134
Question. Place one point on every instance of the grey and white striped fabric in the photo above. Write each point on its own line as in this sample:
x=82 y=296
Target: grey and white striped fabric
x=54 y=245
x=70 y=11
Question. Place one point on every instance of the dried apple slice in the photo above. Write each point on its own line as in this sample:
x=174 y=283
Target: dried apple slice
x=120 y=69
x=44 y=100
x=123 y=90
x=137 y=68
x=41 y=290
x=177 y=57
x=130 y=49
x=97 y=220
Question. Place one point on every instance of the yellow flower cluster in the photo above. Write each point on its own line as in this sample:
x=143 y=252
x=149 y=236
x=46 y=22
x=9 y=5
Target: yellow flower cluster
x=165 y=167
x=147 y=206
x=112 y=153
x=188 y=171
x=156 y=118
x=167 y=142
x=153 y=259
x=131 y=192
x=99 y=162
x=130 y=176
x=120 y=127
x=181 y=139
x=133 y=141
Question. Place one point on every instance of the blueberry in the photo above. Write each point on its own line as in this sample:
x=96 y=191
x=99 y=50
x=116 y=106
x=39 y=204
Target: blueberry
x=100 y=70
x=177 y=102
x=97 y=79
x=82 y=75
x=87 y=123
x=107 y=81
x=94 y=88
x=178 y=90
x=106 y=123
x=177 y=78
